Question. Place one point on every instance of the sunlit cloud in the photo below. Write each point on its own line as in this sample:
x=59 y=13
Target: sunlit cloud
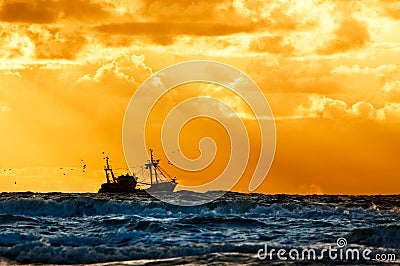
x=325 y=107
x=271 y=44
x=380 y=71
x=363 y=110
x=390 y=8
x=391 y=90
x=69 y=68
x=389 y=112
x=351 y=34
x=123 y=73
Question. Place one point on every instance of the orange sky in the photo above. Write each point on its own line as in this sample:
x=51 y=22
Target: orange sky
x=329 y=69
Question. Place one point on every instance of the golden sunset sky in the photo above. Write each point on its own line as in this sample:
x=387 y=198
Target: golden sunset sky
x=329 y=69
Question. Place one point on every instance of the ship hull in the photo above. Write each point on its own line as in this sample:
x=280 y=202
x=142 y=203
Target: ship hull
x=164 y=186
x=116 y=188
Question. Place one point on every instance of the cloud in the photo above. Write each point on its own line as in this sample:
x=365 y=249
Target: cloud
x=274 y=44
x=49 y=11
x=279 y=16
x=391 y=90
x=363 y=110
x=391 y=8
x=268 y=15
x=389 y=112
x=14 y=43
x=371 y=82
x=33 y=12
x=174 y=28
x=54 y=43
x=123 y=74
x=162 y=21
x=323 y=107
x=97 y=43
x=40 y=42
x=382 y=71
x=351 y=34
x=230 y=100
x=190 y=11
x=12 y=72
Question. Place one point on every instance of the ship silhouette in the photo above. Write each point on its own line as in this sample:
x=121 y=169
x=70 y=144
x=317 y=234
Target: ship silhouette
x=157 y=179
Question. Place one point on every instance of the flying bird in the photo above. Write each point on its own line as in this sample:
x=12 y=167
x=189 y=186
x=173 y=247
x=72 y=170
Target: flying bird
x=84 y=165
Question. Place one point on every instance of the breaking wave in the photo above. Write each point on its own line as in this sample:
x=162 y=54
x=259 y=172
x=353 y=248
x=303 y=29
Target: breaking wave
x=93 y=228
x=387 y=236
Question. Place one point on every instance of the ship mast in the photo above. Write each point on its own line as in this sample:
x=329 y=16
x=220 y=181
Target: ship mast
x=152 y=165
x=157 y=172
x=155 y=164
x=108 y=170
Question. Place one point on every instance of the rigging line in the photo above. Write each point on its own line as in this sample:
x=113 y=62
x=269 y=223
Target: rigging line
x=137 y=166
x=163 y=172
x=142 y=183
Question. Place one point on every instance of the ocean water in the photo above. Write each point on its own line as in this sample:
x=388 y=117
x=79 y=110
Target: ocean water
x=57 y=228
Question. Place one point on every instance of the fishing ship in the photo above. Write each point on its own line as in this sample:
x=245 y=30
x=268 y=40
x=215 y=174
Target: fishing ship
x=121 y=184
x=157 y=179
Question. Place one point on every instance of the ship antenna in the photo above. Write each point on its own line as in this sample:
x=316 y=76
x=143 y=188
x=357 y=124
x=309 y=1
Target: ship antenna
x=151 y=155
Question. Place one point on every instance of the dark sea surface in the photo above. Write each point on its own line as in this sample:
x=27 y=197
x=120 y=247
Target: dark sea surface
x=57 y=228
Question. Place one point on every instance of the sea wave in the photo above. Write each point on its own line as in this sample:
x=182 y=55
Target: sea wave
x=67 y=205
x=379 y=236
x=66 y=252
x=94 y=228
